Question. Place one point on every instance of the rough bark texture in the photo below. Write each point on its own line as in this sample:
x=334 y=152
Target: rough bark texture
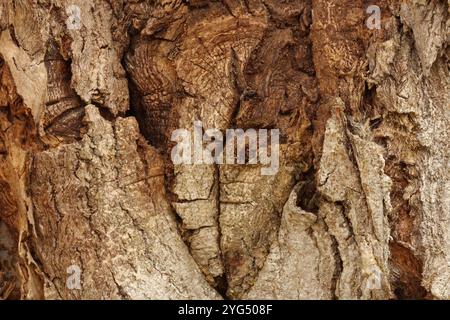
x=359 y=209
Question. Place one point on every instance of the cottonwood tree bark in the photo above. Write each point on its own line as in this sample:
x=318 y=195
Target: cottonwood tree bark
x=91 y=91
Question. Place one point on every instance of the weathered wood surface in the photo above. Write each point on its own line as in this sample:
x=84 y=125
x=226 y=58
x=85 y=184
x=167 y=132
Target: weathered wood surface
x=359 y=208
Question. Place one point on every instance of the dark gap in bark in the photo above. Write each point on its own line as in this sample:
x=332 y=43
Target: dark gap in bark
x=222 y=286
x=339 y=264
x=308 y=197
x=105 y=112
x=406 y=267
x=407 y=273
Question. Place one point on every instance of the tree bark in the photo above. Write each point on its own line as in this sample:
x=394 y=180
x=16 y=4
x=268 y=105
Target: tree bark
x=91 y=92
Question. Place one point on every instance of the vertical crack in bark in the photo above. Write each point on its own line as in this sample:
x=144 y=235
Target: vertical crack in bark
x=338 y=268
x=221 y=281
